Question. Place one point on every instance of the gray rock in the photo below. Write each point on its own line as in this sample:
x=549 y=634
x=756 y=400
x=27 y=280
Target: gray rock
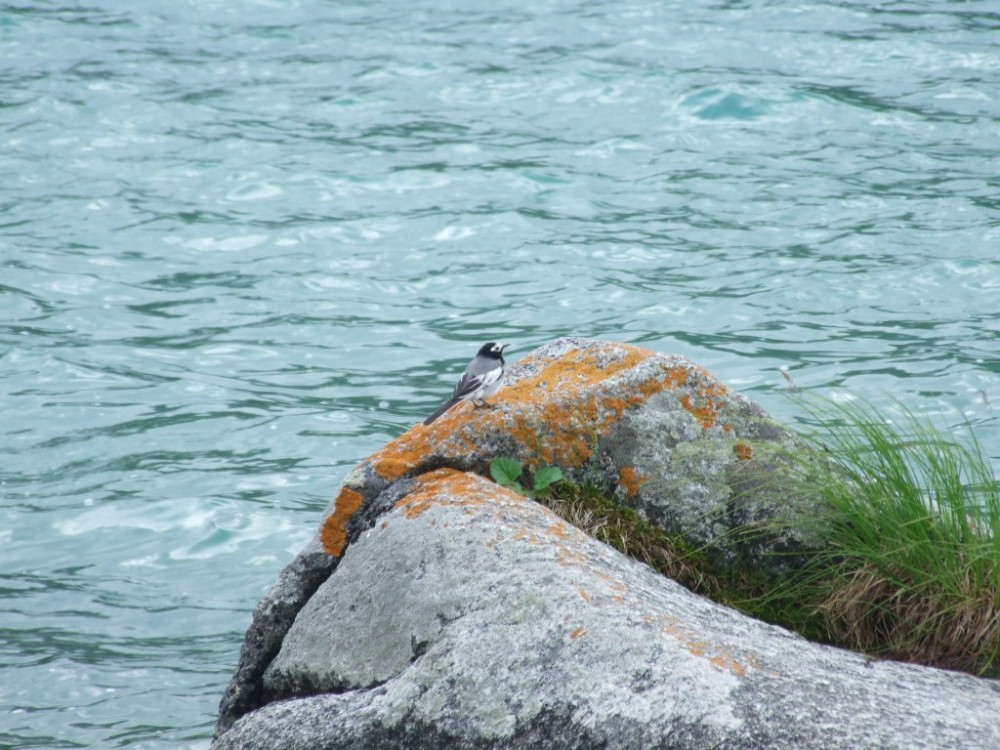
x=471 y=617
x=271 y=619
x=656 y=429
x=437 y=610
x=718 y=483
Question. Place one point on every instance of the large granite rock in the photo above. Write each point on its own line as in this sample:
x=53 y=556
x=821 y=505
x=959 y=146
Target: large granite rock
x=657 y=430
x=436 y=609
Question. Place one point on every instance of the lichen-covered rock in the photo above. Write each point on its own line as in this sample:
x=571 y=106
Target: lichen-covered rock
x=471 y=617
x=435 y=609
x=658 y=430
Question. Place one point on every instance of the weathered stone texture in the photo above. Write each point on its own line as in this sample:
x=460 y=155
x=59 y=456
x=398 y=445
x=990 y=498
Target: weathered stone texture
x=435 y=609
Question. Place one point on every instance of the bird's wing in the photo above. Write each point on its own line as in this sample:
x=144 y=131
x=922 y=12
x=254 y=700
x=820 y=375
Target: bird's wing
x=469 y=383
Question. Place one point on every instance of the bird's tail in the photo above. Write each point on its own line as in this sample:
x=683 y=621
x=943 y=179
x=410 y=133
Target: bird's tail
x=442 y=409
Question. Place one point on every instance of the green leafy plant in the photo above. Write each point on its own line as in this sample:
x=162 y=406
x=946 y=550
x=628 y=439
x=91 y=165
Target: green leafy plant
x=507 y=473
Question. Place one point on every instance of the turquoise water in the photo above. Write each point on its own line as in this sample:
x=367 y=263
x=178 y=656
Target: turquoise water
x=244 y=244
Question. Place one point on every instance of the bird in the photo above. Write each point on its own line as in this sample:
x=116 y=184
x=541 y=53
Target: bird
x=481 y=379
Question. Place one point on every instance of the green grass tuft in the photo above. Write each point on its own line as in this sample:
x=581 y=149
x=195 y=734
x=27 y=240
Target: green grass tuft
x=910 y=517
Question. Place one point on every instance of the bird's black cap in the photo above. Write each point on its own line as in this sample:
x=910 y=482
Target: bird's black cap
x=492 y=350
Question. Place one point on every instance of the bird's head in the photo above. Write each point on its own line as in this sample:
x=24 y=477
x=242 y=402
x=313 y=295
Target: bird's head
x=493 y=350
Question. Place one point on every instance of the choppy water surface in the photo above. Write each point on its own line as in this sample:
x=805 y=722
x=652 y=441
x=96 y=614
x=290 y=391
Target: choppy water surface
x=244 y=244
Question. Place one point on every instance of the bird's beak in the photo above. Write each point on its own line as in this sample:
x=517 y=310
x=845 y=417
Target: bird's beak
x=503 y=346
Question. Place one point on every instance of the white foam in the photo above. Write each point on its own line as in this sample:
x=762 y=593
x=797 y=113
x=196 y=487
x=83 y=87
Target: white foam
x=227 y=244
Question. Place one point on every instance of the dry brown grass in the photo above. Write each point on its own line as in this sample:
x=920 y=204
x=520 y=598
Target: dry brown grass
x=622 y=528
x=873 y=613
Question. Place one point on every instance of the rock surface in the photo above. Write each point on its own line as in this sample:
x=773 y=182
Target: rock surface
x=436 y=609
x=657 y=430
x=469 y=616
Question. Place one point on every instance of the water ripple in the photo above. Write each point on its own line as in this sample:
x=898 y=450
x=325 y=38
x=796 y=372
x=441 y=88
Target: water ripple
x=240 y=250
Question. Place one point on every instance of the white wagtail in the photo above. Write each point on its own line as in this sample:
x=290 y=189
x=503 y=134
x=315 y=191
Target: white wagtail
x=481 y=379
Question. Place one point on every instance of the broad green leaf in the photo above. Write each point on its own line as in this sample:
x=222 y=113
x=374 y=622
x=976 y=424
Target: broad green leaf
x=546 y=476
x=505 y=471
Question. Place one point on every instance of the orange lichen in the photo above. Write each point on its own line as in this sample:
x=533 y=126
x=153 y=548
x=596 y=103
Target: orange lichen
x=559 y=529
x=728 y=664
x=402 y=455
x=579 y=403
x=450 y=486
x=556 y=412
x=569 y=557
x=333 y=533
x=743 y=451
x=466 y=490
x=630 y=479
x=565 y=400
x=718 y=656
x=707 y=402
x=577 y=633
